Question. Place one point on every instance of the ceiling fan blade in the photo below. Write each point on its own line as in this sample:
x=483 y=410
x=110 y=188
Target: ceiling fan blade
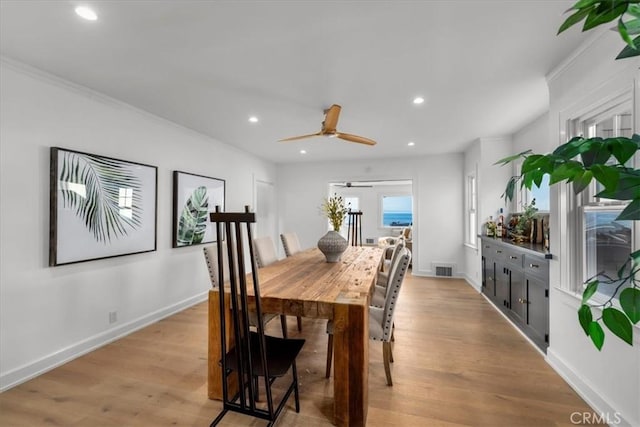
x=355 y=138
x=331 y=119
x=295 y=138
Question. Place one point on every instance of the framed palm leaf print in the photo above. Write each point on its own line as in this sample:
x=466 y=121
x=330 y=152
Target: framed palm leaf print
x=194 y=197
x=100 y=207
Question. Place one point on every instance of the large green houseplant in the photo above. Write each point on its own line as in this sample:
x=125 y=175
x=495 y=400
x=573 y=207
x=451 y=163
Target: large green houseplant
x=605 y=160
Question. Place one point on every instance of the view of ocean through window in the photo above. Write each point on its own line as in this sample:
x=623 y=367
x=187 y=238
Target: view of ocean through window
x=397 y=211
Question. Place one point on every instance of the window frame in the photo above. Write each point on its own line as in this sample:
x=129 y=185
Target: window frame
x=578 y=205
x=471 y=210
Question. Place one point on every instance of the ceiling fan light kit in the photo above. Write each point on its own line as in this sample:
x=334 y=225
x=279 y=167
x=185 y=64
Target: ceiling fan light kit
x=329 y=124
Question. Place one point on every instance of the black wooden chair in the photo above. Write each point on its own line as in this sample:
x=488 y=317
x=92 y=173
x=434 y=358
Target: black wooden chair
x=254 y=354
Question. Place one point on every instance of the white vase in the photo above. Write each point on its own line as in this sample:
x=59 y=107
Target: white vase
x=332 y=245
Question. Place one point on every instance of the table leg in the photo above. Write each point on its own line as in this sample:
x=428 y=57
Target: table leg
x=214 y=380
x=351 y=364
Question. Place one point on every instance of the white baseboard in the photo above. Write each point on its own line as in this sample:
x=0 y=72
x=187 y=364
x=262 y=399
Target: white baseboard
x=473 y=284
x=47 y=363
x=586 y=391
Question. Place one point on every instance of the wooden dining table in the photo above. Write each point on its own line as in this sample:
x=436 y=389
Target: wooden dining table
x=306 y=285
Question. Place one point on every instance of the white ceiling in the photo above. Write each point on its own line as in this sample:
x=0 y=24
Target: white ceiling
x=209 y=65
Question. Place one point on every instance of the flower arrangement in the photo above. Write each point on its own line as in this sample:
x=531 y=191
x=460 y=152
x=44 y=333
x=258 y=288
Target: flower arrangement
x=334 y=209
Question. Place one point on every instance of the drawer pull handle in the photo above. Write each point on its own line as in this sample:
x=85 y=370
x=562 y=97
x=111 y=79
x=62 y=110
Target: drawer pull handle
x=498 y=252
x=487 y=247
x=534 y=266
x=513 y=257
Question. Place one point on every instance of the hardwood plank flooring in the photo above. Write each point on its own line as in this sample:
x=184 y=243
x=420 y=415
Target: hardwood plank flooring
x=457 y=363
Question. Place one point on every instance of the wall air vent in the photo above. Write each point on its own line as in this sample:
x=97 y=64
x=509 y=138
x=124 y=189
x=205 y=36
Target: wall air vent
x=369 y=241
x=443 y=269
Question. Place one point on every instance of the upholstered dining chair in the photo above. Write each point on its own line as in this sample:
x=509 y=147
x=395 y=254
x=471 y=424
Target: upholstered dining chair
x=265 y=251
x=290 y=243
x=210 y=255
x=381 y=319
x=383 y=276
x=266 y=255
x=253 y=354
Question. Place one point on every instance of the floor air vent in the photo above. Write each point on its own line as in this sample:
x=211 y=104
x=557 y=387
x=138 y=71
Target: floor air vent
x=443 y=270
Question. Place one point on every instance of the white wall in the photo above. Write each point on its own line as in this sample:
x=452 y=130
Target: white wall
x=437 y=195
x=609 y=380
x=48 y=315
x=491 y=180
x=535 y=134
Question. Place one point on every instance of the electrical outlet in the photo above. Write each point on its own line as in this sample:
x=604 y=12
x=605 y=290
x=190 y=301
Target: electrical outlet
x=113 y=316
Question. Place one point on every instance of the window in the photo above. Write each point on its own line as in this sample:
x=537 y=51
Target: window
x=524 y=196
x=471 y=227
x=352 y=203
x=397 y=211
x=603 y=243
x=607 y=244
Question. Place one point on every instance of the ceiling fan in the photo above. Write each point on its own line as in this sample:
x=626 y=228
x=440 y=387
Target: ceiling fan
x=353 y=185
x=329 y=129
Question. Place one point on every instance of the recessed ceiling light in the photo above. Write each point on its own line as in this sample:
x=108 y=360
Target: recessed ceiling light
x=411 y=144
x=418 y=100
x=253 y=119
x=303 y=151
x=86 y=13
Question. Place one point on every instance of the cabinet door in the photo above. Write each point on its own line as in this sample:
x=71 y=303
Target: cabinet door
x=538 y=310
x=518 y=297
x=488 y=277
x=502 y=286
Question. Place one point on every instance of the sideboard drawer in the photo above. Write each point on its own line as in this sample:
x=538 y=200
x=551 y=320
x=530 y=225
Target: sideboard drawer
x=536 y=266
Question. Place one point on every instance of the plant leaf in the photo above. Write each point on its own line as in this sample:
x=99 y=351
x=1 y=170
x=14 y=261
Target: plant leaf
x=566 y=171
x=618 y=323
x=597 y=153
x=628 y=51
x=510 y=159
x=193 y=219
x=580 y=4
x=604 y=13
x=582 y=181
x=575 y=18
x=622 y=148
x=572 y=148
x=631 y=212
x=585 y=317
x=597 y=334
x=624 y=33
x=608 y=176
x=508 y=192
x=591 y=289
x=630 y=303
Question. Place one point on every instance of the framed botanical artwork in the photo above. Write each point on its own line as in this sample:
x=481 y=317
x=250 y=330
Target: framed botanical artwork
x=194 y=197
x=100 y=207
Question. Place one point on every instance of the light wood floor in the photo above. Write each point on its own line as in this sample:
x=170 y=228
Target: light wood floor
x=457 y=362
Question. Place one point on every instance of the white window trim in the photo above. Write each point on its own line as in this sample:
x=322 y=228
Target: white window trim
x=569 y=220
x=470 y=194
